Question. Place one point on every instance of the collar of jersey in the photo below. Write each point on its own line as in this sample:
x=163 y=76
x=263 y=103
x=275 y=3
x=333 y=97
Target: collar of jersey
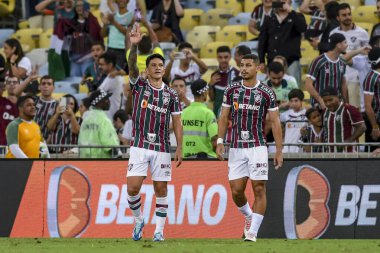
x=154 y=88
x=254 y=87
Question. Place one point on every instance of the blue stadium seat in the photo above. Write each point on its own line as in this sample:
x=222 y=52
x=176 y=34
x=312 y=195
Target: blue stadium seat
x=370 y=2
x=200 y=4
x=4 y=35
x=64 y=87
x=239 y=20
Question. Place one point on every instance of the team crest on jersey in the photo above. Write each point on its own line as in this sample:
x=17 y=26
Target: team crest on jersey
x=353 y=39
x=151 y=137
x=166 y=100
x=236 y=106
x=244 y=135
x=337 y=118
x=8 y=107
x=146 y=93
x=258 y=97
x=236 y=95
x=144 y=103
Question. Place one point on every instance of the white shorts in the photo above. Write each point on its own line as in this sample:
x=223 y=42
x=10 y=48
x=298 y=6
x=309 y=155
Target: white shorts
x=248 y=162
x=160 y=164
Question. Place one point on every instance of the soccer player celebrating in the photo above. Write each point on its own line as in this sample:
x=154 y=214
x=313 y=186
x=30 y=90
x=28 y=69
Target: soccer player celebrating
x=153 y=103
x=249 y=101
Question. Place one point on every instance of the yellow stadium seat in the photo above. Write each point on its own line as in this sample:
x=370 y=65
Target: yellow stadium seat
x=234 y=5
x=233 y=33
x=211 y=63
x=308 y=53
x=47 y=22
x=209 y=51
x=217 y=17
x=366 y=26
x=28 y=37
x=207 y=76
x=249 y=5
x=83 y=89
x=32 y=22
x=45 y=38
x=191 y=18
x=198 y=38
x=209 y=29
x=23 y=24
x=57 y=95
x=365 y=14
x=307 y=18
x=94 y=4
x=7 y=7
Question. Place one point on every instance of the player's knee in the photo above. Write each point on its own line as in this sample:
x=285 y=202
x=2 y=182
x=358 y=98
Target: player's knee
x=259 y=190
x=160 y=190
x=236 y=192
x=133 y=191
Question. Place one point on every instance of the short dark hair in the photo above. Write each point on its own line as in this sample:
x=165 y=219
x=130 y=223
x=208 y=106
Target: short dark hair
x=109 y=57
x=243 y=50
x=223 y=49
x=296 y=93
x=330 y=92
x=98 y=43
x=154 y=56
x=122 y=115
x=343 y=6
x=178 y=78
x=86 y=102
x=310 y=111
x=76 y=106
x=253 y=57
x=21 y=100
x=47 y=77
x=275 y=67
x=183 y=45
x=145 y=45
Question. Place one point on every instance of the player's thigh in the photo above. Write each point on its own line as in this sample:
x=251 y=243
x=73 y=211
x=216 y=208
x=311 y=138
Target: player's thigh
x=259 y=187
x=237 y=164
x=258 y=163
x=138 y=162
x=161 y=166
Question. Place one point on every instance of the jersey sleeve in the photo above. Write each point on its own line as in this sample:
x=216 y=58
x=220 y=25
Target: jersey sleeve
x=355 y=115
x=368 y=84
x=284 y=117
x=175 y=107
x=313 y=70
x=12 y=133
x=272 y=103
x=227 y=98
x=212 y=126
x=133 y=82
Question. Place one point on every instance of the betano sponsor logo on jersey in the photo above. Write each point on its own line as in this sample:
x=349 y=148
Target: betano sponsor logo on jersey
x=246 y=106
x=145 y=104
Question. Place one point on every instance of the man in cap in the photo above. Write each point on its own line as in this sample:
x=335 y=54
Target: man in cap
x=200 y=129
x=327 y=70
x=97 y=129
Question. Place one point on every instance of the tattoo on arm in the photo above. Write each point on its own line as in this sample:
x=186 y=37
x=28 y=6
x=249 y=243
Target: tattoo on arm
x=132 y=62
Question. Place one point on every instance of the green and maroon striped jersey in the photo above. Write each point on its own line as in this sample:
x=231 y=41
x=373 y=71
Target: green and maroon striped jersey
x=249 y=106
x=44 y=111
x=62 y=135
x=371 y=85
x=326 y=73
x=152 y=109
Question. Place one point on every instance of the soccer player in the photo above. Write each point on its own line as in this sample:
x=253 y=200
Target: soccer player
x=249 y=101
x=153 y=104
x=23 y=134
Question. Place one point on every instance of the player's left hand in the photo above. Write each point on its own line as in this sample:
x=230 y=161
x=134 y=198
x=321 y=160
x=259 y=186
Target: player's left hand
x=278 y=160
x=178 y=157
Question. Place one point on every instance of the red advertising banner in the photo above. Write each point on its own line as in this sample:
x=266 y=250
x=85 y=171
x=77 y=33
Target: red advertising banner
x=89 y=199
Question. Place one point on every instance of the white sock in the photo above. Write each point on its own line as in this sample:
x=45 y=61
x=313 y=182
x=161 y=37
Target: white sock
x=256 y=223
x=161 y=213
x=245 y=210
x=134 y=203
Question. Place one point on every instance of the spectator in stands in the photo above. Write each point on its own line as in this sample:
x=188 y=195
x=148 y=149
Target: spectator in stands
x=282 y=60
x=84 y=107
x=2 y=66
x=23 y=134
x=93 y=76
x=66 y=10
x=84 y=29
x=127 y=135
x=376 y=28
x=115 y=28
x=221 y=78
x=328 y=70
x=179 y=85
x=281 y=34
x=313 y=133
x=200 y=129
x=119 y=120
x=342 y=123
x=356 y=38
x=148 y=45
x=8 y=108
x=371 y=87
x=165 y=20
x=18 y=64
x=64 y=125
x=110 y=6
x=293 y=120
x=97 y=128
x=279 y=85
x=240 y=51
x=113 y=85
x=258 y=15
x=190 y=66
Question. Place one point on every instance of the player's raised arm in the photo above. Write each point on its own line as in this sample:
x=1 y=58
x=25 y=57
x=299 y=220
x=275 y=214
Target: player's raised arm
x=135 y=38
x=274 y=118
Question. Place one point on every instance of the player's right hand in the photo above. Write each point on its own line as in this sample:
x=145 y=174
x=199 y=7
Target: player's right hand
x=220 y=151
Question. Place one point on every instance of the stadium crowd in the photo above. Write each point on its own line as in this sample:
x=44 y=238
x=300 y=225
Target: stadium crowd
x=322 y=65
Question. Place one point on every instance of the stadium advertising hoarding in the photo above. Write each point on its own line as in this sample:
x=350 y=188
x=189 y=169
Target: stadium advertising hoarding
x=306 y=199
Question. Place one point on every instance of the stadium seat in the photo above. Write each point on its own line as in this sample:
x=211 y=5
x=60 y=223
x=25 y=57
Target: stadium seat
x=167 y=47
x=370 y=2
x=207 y=75
x=83 y=89
x=4 y=35
x=80 y=96
x=94 y=4
x=239 y=20
x=7 y=7
x=191 y=18
x=211 y=63
x=308 y=53
x=233 y=33
x=29 y=37
x=249 y=5
x=47 y=22
x=209 y=50
x=64 y=87
x=198 y=39
x=234 y=5
x=366 y=26
x=253 y=45
x=217 y=17
x=57 y=96
x=45 y=38
x=200 y=4
x=37 y=56
x=209 y=29
x=365 y=14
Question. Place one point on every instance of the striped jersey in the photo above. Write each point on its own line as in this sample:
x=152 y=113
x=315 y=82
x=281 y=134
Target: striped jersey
x=371 y=86
x=258 y=14
x=318 y=21
x=339 y=125
x=326 y=73
x=62 y=134
x=249 y=106
x=152 y=108
x=310 y=135
x=44 y=111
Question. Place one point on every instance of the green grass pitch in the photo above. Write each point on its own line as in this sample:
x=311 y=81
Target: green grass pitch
x=185 y=246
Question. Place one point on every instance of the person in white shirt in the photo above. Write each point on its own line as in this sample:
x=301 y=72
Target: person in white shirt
x=109 y=6
x=356 y=38
x=190 y=67
x=293 y=121
x=18 y=64
x=114 y=85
